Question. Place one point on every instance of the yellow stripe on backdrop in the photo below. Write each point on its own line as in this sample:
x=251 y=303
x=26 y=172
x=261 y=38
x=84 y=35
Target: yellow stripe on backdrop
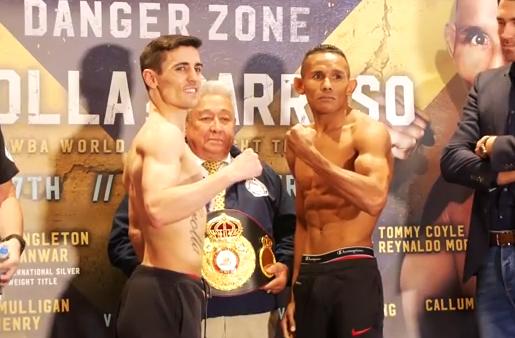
x=399 y=37
x=16 y=57
x=53 y=99
x=77 y=172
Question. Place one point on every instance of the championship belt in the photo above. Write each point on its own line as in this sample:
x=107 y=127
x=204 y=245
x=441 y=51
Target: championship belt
x=236 y=251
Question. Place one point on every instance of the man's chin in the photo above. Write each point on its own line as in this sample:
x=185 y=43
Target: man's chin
x=189 y=102
x=325 y=110
x=217 y=149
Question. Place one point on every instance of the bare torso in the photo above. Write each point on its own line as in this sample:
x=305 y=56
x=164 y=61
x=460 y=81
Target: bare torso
x=331 y=221
x=176 y=246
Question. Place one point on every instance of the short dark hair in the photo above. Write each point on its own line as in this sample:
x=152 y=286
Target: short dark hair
x=323 y=48
x=152 y=55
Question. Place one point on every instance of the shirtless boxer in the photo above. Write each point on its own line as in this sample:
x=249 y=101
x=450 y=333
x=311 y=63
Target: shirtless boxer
x=343 y=166
x=167 y=198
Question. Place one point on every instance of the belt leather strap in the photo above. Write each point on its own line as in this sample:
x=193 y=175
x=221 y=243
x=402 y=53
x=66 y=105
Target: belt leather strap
x=502 y=238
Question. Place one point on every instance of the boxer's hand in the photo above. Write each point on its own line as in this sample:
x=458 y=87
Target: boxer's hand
x=405 y=139
x=288 y=321
x=276 y=285
x=245 y=166
x=300 y=139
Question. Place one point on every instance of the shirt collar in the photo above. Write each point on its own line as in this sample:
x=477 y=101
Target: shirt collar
x=199 y=161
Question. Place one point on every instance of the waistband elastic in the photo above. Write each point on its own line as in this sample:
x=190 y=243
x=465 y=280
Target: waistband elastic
x=166 y=273
x=354 y=252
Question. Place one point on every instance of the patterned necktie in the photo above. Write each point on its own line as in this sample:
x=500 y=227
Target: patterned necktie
x=218 y=202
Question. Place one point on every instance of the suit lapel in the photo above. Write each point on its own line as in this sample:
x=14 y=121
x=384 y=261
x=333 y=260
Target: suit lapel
x=500 y=91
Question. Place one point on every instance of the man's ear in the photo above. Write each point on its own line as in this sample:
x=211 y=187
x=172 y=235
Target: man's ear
x=298 y=85
x=450 y=37
x=149 y=76
x=351 y=86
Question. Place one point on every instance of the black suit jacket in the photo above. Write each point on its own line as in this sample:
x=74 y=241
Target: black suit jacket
x=489 y=103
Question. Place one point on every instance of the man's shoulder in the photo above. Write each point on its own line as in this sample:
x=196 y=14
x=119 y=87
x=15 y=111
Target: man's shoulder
x=158 y=126
x=158 y=132
x=494 y=73
x=364 y=123
x=369 y=133
x=360 y=117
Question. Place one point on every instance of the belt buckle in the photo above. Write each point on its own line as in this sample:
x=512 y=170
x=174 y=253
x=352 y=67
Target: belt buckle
x=236 y=253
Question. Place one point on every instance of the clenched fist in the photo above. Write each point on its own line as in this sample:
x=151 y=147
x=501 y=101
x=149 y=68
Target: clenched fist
x=301 y=139
x=245 y=166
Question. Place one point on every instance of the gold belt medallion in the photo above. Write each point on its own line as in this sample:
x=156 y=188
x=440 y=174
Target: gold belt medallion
x=266 y=255
x=229 y=259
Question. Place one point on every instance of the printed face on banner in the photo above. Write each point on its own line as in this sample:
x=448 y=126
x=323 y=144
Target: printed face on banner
x=179 y=79
x=326 y=83
x=210 y=127
x=472 y=38
x=506 y=22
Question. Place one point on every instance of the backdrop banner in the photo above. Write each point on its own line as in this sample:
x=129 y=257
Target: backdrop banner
x=72 y=99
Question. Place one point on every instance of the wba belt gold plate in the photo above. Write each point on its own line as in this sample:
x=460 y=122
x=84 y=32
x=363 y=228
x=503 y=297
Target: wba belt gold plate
x=236 y=252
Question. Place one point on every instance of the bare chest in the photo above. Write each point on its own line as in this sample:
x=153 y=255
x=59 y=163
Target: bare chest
x=338 y=150
x=190 y=169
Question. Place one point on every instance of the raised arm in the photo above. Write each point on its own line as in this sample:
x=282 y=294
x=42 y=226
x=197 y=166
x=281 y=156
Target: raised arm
x=167 y=196
x=367 y=186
